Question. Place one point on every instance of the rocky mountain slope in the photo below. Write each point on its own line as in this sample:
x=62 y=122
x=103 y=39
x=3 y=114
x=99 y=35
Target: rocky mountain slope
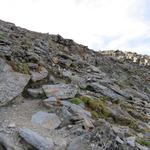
x=56 y=94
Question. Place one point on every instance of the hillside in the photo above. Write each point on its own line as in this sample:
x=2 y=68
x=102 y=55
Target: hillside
x=56 y=94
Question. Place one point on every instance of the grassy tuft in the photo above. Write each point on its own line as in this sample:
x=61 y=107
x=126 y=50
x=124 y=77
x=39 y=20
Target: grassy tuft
x=76 y=101
x=144 y=142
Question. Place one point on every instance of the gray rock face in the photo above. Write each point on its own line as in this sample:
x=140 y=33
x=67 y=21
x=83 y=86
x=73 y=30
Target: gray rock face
x=11 y=84
x=36 y=140
x=60 y=91
x=46 y=120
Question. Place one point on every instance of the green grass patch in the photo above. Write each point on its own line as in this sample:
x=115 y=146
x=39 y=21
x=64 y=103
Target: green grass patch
x=144 y=142
x=98 y=108
x=76 y=101
x=2 y=35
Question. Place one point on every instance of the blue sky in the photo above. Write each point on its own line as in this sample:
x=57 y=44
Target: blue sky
x=99 y=24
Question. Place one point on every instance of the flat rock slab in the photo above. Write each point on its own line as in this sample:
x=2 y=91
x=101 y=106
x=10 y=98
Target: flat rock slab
x=60 y=91
x=98 y=88
x=46 y=120
x=36 y=140
x=11 y=85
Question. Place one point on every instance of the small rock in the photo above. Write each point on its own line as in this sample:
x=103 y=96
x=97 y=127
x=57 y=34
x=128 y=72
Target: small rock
x=12 y=125
x=131 y=141
x=46 y=120
x=119 y=140
x=69 y=126
x=38 y=76
x=50 y=102
x=33 y=65
x=36 y=93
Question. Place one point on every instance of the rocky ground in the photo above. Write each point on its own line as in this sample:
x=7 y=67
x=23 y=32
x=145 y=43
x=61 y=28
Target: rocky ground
x=58 y=95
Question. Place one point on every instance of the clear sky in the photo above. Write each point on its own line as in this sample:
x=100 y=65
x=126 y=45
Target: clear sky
x=99 y=24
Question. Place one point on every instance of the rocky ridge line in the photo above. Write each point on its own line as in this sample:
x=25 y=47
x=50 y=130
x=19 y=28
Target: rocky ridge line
x=142 y=60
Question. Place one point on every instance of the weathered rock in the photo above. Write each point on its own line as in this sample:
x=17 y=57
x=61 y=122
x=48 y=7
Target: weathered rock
x=36 y=140
x=66 y=115
x=93 y=69
x=76 y=108
x=104 y=91
x=77 y=80
x=33 y=65
x=140 y=147
x=131 y=141
x=120 y=116
x=35 y=93
x=60 y=91
x=46 y=120
x=4 y=67
x=121 y=130
x=8 y=142
x=50 y=102
x=38 y=76
x=12 y=85
x=82 y=114
x=119 y=140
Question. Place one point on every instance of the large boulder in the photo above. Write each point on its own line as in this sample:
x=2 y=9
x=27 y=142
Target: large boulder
x=36 y=140
x=12 y=83
x=60 y=91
